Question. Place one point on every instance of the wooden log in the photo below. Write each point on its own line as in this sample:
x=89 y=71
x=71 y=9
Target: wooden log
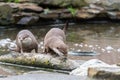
x=39 y=60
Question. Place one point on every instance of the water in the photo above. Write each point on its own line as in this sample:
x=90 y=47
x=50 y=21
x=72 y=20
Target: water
x=101 y=39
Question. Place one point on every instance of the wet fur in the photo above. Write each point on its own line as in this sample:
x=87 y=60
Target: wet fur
x=55 y=39
x=26 y=42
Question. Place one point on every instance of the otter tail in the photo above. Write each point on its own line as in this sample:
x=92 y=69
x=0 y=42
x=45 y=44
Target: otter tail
x=66 y=26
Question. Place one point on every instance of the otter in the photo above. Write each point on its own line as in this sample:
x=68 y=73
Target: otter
x=25 y=42
x=54 y=42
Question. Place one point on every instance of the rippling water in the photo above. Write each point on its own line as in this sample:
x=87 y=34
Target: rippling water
x=102 y=39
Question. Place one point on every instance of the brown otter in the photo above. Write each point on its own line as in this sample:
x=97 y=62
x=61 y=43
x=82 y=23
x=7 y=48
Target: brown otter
x=54 y=41
x=25 y=42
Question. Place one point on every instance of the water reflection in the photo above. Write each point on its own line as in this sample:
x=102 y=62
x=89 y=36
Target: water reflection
x=103 y=39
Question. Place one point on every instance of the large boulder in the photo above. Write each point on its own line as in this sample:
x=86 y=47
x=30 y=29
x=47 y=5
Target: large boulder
x=82 y=70
x=108 y=4
x=107 y=73
x=6 y=14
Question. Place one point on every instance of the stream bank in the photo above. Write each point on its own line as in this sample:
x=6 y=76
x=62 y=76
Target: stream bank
x=31 y=12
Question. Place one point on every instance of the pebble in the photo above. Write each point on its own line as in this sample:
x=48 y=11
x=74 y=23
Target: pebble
x=109 y=48
x=118 y=50
x=76 y=44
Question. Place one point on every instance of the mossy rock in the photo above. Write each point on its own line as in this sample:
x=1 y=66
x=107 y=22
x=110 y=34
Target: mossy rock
x=39 y=60
x=6 y=14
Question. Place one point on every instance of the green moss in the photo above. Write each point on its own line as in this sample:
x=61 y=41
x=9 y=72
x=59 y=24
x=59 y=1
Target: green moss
x=31 y=61
x=3 y=51
x=73 y=10
x=46 y=11
x=16 y=1
x=46 y=62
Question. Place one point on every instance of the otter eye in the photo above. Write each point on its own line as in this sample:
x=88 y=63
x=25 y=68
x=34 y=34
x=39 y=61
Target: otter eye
x=20 y=38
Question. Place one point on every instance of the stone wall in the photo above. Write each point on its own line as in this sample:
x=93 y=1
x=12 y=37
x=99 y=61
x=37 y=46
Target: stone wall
x=29 y=12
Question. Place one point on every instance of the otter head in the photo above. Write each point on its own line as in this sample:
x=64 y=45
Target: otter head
x=61 y=49
x=22 y=37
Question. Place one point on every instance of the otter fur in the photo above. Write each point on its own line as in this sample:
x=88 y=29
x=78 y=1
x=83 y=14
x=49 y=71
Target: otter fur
x=26 y=42
x=54 y=42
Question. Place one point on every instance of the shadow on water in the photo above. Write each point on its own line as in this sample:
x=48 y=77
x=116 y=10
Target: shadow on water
x=100 y=39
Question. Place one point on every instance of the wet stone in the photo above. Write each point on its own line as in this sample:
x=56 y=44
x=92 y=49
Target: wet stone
x=114 y=15
x=43 y=76
x=82 y=70
x=40 y=60
x=6 y=14
x=28 y=20
x=84 y=15
x=55 y=14
x=30 y=7
x=110 y=73
x=4 y=73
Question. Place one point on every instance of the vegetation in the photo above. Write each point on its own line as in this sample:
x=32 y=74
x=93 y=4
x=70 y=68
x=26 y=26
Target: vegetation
x=16 y=1
x=72 y=10
x=46 y=11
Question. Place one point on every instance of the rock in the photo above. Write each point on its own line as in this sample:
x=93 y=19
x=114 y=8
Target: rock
x=82 y=70
x=79 y=3
x=6 y=14
x=4 y=43
x=23 y=1
x=29 y=10
x=94 y=11
x=44 y=76
x=98 y=7
x=14 y=6
x=118 y=64
x=4 y=73
x=84 y=15
x=109 y=73
x=30 y=7
x=17 y=13
x=28 y=20
x=25 y=7
x=39 y=60
x=114 y=14
x=2 y=0
x=107 y=4
x=92 y=1
x=56 y=14
x=58 y=3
